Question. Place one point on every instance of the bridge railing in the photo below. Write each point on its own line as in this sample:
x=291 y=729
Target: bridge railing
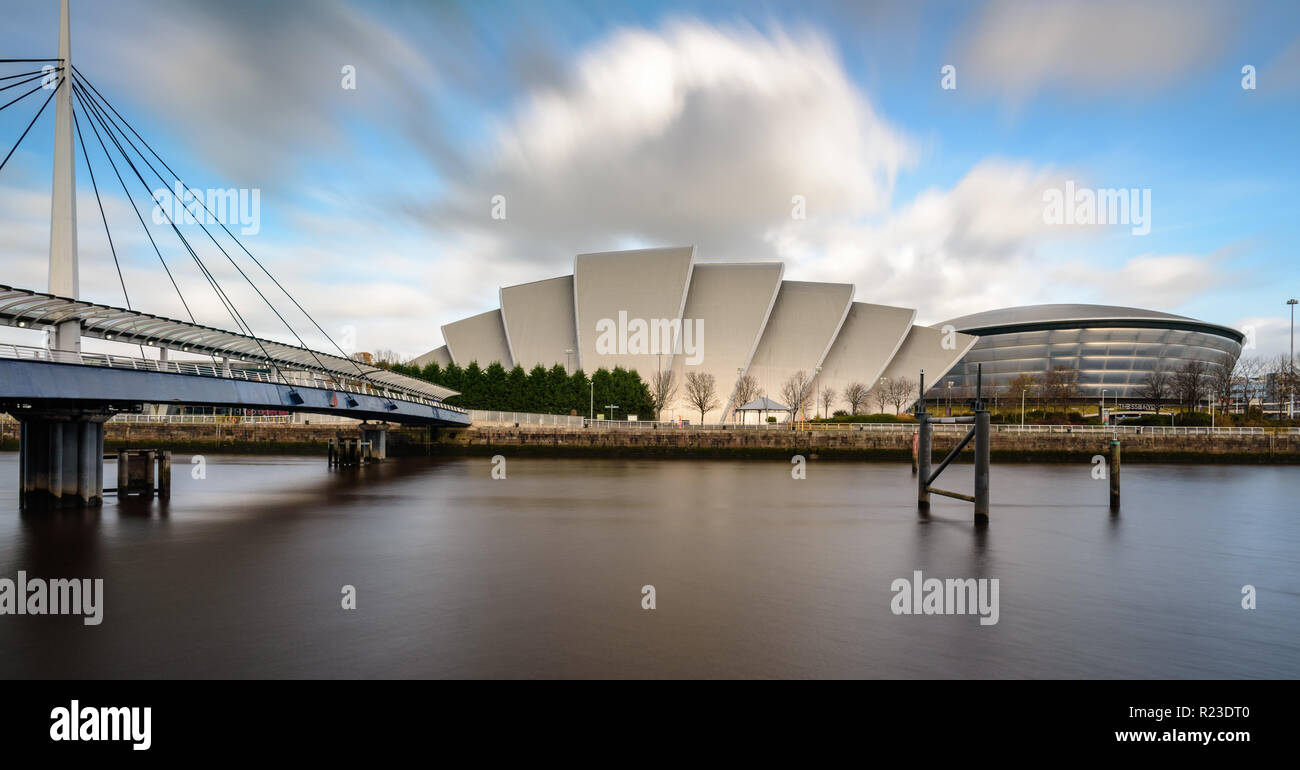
x=202 y=369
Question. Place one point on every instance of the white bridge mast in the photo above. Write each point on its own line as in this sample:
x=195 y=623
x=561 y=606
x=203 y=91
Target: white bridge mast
x=63 y=204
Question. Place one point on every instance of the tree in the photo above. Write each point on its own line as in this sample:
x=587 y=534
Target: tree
x=1155 y=388
x=855 y=394
x=796 y=394
x=663 y=390
x=701 y=392
x=1021 y=386
x=1222 y=381
x=882 y=395
x=1061 y=384
x=828 y=398
x=900 y=393
x=746 y=391
x=1189 y=384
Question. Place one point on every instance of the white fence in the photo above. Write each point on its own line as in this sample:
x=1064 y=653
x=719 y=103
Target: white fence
x=485 y=417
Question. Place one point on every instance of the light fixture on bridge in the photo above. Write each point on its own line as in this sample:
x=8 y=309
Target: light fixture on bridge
x=22 y=324
x=108 y=336
x=294 y=397
x=390 y=406
x=351 y=401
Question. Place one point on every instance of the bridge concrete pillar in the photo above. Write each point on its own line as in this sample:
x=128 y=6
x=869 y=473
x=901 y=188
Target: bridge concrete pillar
x=377 y=435
x=61 y=459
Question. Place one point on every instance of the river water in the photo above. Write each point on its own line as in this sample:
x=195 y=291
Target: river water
x=755 y=574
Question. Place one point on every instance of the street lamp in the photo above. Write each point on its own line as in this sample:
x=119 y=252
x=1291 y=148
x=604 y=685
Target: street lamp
x=1291 y=362
x=735 y=394
x=1023 y=391
x=592 y=414
x=948 y=410
x=611 y=408
x=817 y=391
x=1101 y=411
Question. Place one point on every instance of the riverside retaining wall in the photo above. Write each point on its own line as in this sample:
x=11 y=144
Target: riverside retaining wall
x=684 y=442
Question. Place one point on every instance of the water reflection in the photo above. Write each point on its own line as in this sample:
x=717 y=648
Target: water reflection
x=756 y=574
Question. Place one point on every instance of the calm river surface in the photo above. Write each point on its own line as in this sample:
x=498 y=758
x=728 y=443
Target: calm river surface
x=755 y=574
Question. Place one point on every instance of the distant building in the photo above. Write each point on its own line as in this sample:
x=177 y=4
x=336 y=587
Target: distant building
x=729 y=320
x=743 y=319
x=1110 y=348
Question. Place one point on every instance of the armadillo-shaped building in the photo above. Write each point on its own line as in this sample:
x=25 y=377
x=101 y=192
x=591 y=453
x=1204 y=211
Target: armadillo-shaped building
x=658 y=309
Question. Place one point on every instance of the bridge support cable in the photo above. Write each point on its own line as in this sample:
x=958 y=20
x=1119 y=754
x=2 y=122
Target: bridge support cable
x=37 y=76
x=229 y=305
x=217 y=243
x=94 y=117
x=25 y=74
x=85 y=82
x=34 y=119
x=148 y=234
x=81 y=139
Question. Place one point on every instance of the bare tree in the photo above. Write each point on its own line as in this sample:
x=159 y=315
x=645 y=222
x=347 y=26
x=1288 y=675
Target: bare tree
x=855 y=394
x=701 y=392
x=663 y=390
x=828 y=396
x=746 y=391
x=1062 y=385
x=1189 y=384
x=1222 y=381
x=1250 y=369
x=385 y=356
x=796 y=393
x=900 y=393
x=1155 y=388
x=882 y=395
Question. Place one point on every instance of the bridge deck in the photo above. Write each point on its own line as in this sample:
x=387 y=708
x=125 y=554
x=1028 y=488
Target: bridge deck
x=39 y=377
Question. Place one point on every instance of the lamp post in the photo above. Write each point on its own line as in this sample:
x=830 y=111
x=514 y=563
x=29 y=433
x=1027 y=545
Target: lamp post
x=1291 y=363
x=883 y=392
x=735 y=394
x=817 y=390
x=592 y=414
x=1023 y=391
x=611 y=408
x=948 y=409
x=1101 y=411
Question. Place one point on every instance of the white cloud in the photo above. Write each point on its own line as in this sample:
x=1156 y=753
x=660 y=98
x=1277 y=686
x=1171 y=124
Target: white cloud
x=694 y=134
x=1017 y=48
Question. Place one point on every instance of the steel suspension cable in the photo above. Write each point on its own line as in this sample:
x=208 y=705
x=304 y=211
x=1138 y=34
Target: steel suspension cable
x=229 y=304
x=224 y=253
x=112 y=249
x=86 y=81
x=29 y=125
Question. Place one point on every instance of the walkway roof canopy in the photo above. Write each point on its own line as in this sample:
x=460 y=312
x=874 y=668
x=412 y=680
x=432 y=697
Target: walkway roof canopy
x=30 y=309
x=763 y=404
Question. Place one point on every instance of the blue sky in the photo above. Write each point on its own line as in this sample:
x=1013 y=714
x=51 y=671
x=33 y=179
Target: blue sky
x=607 y=125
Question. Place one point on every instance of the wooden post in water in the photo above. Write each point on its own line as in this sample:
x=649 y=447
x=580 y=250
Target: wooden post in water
x=915 y=438
x=982 y=455
x=1114 y=475
x=923 y=462
x=149 y=473
x=165 y=474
